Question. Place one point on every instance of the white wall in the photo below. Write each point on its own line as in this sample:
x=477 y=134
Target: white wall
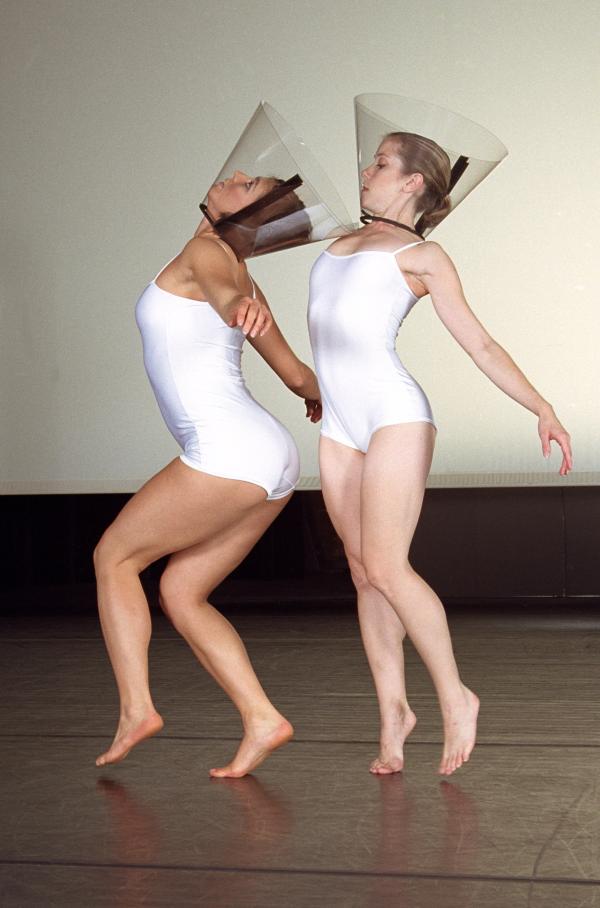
x=117 y=115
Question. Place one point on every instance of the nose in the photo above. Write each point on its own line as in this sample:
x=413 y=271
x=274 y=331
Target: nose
x=239 y=176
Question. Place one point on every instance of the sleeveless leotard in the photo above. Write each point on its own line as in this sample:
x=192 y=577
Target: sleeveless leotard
x=356 y=306
x=193 y=361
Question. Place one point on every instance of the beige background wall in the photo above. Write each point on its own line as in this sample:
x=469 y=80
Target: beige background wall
x=117 y=114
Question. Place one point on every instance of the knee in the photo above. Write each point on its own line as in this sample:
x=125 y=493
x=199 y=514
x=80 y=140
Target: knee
x=385 y=576
x=175 y=597
x=110 y=554
x=105 y=553
x=357 y=572
x=167 y=597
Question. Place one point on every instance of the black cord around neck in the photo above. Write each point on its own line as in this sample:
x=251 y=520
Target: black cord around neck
x=366 y=218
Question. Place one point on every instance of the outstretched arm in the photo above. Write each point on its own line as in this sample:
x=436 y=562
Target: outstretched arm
x=443 y=284
x=295 y=374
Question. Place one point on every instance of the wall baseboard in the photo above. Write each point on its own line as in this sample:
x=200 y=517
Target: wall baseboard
x=312 y=483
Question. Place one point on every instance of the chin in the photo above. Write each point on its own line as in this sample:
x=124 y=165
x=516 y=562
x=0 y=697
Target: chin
x=213 y=206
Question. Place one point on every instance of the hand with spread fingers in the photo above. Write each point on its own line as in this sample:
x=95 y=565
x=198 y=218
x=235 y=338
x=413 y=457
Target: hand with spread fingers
x=551 y=429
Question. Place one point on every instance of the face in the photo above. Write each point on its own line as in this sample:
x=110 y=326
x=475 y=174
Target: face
x=236 y=192
x=383 y=179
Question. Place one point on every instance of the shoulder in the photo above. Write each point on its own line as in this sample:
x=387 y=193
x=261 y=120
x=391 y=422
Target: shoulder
x=340 y=246
x=433 y=258
x=206 y=252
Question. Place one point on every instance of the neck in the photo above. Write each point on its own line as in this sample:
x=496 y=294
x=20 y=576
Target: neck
x=205 y=228
x=367 y=218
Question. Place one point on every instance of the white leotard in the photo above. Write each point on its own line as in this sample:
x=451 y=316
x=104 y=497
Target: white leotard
x=193 y=361
x=356 y=306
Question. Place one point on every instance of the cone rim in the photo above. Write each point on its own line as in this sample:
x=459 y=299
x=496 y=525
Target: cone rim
x=360 y=102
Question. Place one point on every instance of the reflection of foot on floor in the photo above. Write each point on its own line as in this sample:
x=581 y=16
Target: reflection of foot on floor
x=263 y=810
x=128 y=735
x=136 y=827
x=391 y=753
x=257 y=744
x=461 y=834
x=396 y=839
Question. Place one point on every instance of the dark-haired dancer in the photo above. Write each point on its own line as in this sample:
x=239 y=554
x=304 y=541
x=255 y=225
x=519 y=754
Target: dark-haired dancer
x=209 y=507
x=378 y=435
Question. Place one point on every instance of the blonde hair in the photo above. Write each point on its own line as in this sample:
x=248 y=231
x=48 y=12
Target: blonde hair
x=421 y=155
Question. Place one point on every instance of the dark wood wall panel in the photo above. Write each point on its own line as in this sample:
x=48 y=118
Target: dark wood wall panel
x=582 y=541
x=494 y=543
x=497 y=543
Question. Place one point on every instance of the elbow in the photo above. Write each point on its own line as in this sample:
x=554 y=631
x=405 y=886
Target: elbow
x=295 y=382
x=483 y=348
x=295 y=379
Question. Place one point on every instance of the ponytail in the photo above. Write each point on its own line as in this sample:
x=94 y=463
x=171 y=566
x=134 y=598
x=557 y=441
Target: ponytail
x=421 y=155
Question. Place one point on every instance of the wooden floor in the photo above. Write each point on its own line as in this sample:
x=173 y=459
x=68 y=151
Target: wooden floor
x=519 y=826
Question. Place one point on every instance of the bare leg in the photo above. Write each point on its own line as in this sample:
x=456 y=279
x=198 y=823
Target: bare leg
x=188 y=580
x=178 y=508
x=381 y=629
x=394 y=475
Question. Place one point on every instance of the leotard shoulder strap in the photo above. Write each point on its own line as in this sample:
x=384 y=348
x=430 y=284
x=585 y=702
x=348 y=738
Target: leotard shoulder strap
x=408 y=246
x=163 y=268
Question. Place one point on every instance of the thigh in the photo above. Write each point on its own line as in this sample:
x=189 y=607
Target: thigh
x=396 y=467
x=201 y=567
x=177 y=508
x=341 y=477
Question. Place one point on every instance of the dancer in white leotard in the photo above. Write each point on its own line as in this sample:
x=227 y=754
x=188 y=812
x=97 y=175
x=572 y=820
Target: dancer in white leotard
x=193 y=361
x=378 y=435
x=364 y=386
x=209 y=506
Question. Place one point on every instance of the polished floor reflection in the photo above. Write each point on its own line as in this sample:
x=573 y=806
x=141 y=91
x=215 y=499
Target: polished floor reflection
x=519 y=826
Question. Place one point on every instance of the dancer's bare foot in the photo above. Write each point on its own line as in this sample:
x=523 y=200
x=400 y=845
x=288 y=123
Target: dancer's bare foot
x=260 y=739
x=393 y=736
x=460 y=727
x=129 y=733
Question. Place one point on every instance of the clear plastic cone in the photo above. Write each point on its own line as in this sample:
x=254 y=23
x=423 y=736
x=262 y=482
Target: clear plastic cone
x=271 y=193
x=473 y=150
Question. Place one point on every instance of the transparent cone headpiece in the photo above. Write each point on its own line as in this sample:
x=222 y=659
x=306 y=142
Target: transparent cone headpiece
x=271 y=193
x=472 y=149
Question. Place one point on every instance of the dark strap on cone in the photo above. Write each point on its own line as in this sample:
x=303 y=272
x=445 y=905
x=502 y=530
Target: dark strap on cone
x=272 y=196
x=460 y=165
x=367 y=218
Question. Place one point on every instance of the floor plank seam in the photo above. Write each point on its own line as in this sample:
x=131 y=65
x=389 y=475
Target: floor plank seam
x=303 y=871
x=371 y=742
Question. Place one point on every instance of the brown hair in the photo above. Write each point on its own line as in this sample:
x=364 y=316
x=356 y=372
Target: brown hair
x=421 y=155
x=241 y=232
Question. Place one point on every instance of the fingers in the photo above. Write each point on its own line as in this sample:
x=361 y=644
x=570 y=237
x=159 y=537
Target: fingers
x=563 y=439
x=567 y=461
x=252 y=316
x=545 y=437
x=314 y=410
x=565 y=444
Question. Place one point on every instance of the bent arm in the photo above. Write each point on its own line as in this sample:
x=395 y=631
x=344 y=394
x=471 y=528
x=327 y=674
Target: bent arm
x=217 y=272
x=278 y=354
